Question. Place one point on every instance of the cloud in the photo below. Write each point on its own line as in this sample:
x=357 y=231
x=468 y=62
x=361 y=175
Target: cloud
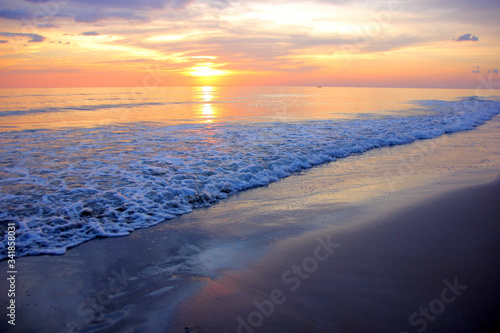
x=48 y=25
x=134 y=4
x=14 y=14
x=476 y=69
x=467 y=37
x=495 y=71
x=125 y=61
x=102 y=15
x=3 y=41
x=89 y=33
x=34 y=38
x=462 y=5
x=42 y=71
x=91 y=11
x=385 y=44
x=59 y=42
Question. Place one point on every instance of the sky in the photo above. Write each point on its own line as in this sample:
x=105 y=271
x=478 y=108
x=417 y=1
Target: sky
x=148 y=43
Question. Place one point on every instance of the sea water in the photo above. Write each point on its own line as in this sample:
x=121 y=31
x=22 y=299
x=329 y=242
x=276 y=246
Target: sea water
x=77 y=164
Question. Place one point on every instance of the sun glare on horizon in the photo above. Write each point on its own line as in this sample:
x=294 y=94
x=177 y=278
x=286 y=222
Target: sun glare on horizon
x=206 y=70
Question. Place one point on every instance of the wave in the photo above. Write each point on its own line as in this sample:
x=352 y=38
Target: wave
x=62 y=188
x=96 y=107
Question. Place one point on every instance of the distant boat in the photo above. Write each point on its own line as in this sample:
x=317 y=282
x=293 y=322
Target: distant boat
x=320 y=87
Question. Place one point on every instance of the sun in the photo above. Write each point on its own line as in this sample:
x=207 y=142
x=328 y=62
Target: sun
x=205 y=70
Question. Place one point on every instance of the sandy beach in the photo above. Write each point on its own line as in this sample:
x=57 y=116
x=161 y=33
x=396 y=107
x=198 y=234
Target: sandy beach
x=431 y=266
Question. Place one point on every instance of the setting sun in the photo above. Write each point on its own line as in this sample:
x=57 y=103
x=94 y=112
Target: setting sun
x=206 y=70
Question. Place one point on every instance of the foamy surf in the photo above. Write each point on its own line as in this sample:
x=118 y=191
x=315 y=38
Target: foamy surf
x=64 y=187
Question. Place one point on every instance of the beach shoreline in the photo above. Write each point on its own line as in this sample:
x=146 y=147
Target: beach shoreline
x=431 y=265
x=156 y=279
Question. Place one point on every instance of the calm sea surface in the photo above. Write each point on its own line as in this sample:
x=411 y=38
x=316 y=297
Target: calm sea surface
x=90 y=107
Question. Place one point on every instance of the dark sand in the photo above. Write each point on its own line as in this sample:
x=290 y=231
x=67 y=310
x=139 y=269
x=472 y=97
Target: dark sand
x=199 y=271
x=384 y=272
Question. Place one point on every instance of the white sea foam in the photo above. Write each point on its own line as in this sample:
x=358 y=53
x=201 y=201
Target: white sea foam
x=64 y=187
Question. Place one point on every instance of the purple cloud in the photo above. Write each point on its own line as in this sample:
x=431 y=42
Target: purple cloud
x=3 y=41
x=134 y=4
x=48 y=25
x=467 y=37
x=13 y=14
x=89 y=33
x=99 y=16
x=34 y=38
x=99 y=10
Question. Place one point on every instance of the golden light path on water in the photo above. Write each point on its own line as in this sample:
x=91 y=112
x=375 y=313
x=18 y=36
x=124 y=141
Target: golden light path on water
x=207 y=109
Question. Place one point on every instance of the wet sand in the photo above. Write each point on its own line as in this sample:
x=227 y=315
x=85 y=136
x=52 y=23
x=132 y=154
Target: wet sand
x=433 y=266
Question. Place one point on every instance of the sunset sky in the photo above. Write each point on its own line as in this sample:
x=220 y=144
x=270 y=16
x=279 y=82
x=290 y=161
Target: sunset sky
x=85 y=43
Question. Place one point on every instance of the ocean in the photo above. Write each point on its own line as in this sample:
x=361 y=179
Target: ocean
x=84 y=163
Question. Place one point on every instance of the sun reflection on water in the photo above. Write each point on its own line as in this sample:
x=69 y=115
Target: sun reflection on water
x=207 y=108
